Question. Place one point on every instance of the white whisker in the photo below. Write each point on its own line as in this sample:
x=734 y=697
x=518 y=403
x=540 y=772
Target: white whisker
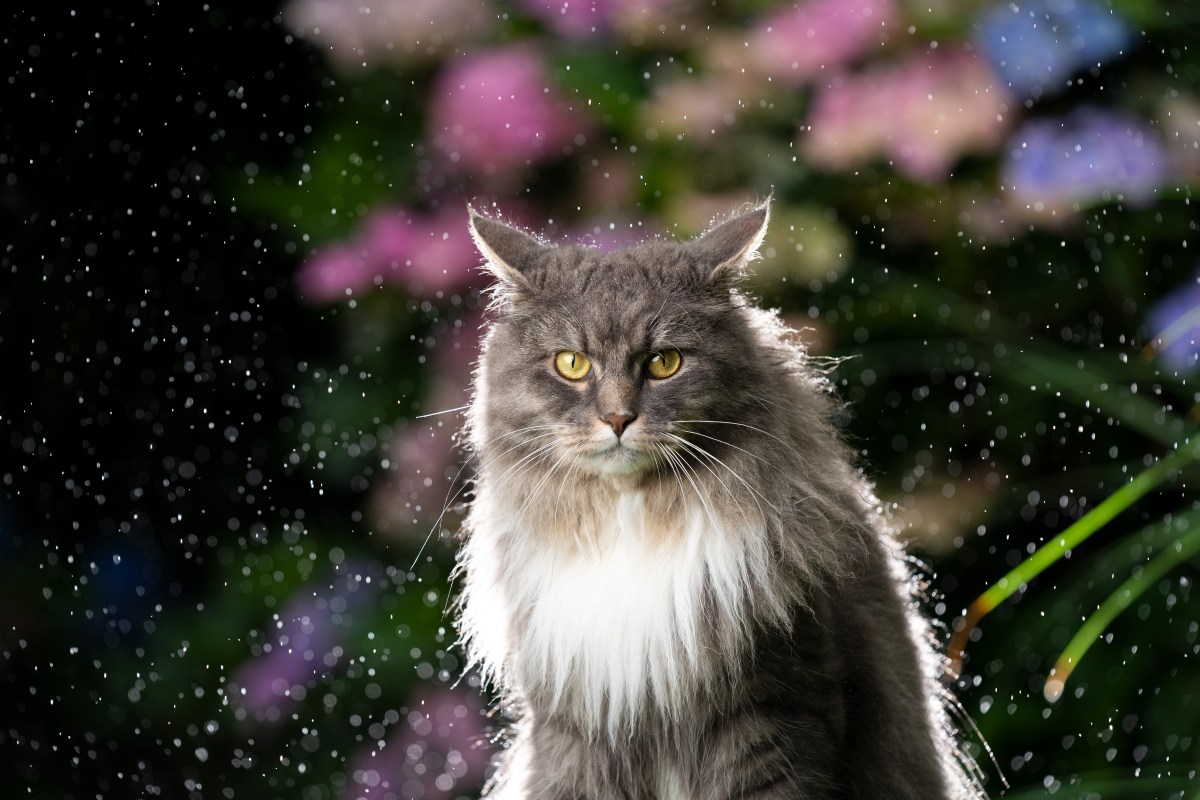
x=790 y=449
x=443 y=411
x=701 y=451
x=755 y=456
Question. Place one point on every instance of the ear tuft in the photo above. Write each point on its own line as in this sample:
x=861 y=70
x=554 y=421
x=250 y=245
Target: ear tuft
x=508 y=252
x=727 y=248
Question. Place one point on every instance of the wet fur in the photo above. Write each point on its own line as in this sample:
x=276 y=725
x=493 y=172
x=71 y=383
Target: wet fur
x=717 y=610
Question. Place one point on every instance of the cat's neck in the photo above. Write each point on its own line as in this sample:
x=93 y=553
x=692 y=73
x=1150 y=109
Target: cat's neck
x=590 y=513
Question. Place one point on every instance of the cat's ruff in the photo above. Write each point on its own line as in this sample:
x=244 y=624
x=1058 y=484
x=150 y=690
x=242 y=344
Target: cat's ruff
x=616 y=606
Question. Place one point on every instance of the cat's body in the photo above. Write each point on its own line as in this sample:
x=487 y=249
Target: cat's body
x=673 y=573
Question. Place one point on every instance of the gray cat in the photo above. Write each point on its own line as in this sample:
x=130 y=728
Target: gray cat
x=673 y=573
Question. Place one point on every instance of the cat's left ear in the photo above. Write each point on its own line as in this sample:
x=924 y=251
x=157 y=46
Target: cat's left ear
x=508 y=251
x=726 y=249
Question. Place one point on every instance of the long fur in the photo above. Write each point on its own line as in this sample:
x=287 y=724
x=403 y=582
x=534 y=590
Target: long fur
x=714 y=607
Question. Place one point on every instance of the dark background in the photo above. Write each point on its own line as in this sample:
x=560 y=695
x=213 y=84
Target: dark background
x=150 y=336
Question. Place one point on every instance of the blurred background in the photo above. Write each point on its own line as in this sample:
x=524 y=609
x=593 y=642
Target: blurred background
x=239 y=309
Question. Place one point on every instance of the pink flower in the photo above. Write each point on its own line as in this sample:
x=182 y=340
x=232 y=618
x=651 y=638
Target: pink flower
x=358 y=35
x=422 y=252
x=497 y=111
x=439 y=751
x=799 y=42
x=923 y=114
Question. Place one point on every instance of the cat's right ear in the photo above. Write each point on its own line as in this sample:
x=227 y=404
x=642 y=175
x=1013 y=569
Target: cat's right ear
x=726 y=249
x=507 y=251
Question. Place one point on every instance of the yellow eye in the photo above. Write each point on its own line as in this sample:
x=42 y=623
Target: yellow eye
x=572 y=365
x=664 y=364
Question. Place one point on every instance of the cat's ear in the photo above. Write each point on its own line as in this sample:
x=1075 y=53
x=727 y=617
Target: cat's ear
x=508 y=251
x=726 y=249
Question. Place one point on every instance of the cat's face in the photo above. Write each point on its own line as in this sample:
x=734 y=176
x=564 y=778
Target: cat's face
x=615 y=364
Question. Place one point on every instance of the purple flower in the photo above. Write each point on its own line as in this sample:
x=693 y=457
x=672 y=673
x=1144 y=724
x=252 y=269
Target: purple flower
x=305 y=647
x=1036 y=46
x=1090 y=155
x=438 y=752
x=923 y=114
x=1175 y=321
x=798 y=42
x=422 y=252
x=609 y=236
x=497 y=112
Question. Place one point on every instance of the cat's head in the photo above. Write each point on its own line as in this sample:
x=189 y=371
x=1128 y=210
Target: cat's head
x=617 y=363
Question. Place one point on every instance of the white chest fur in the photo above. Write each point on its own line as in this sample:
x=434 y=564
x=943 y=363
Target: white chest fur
x=616 y=624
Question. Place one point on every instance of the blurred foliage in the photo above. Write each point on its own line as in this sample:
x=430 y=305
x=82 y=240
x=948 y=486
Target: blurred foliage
x=986 y=207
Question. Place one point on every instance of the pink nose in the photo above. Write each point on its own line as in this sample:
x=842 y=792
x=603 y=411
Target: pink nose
x=617 y=422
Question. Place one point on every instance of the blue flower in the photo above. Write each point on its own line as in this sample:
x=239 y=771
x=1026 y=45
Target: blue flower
x=1175 y=322
x=1038 y=45
x=1090 y=155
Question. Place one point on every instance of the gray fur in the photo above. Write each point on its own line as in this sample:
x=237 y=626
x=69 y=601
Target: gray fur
x=802 y=667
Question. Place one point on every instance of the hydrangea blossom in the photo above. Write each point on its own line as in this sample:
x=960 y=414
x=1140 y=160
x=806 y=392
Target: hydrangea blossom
x=1088 y=156
x=497 y=111
x=422 y=252
x=306 y=645
x=1037 y=46
x=923 y=113
x=798 y=41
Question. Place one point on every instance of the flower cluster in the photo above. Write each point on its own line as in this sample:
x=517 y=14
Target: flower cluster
x=305 y=644
x=922 y=114
x=796 y=43
x=496 y=111
x=441 y=747
x=1088 y=155
x=1037 y=47
x=424 y=254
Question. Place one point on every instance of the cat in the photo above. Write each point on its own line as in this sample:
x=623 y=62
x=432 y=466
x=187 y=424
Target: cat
x=673 y=573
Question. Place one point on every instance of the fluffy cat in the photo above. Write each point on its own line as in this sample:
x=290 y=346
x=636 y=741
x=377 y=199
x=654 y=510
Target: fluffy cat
x=673 y=573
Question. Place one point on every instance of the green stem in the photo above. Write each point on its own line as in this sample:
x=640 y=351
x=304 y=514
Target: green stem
x=1072 y=537
x=1179 y=551
x=1088 y=524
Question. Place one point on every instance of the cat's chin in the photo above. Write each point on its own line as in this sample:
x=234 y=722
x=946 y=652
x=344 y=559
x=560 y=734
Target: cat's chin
x=621 y=462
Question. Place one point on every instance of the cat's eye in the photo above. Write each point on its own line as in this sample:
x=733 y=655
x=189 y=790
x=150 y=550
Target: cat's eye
x=572 y=365
x=664 y=364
